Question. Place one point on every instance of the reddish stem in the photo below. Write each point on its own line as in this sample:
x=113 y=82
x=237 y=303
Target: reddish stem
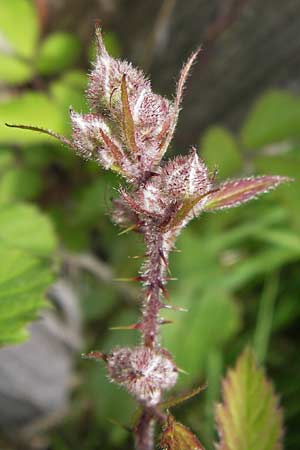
x=153 y=275
x=144 y=432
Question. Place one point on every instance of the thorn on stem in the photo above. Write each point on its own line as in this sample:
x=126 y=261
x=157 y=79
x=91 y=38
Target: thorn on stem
x=164 y=260
x=134 y=326
x=174 y=307
x=132 y=279
x=182 y=371
x=165 y=321
x=94 y=355
x=131 y=228
x=164 y=291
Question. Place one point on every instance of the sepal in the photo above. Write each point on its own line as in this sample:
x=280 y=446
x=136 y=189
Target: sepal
x=235 y=192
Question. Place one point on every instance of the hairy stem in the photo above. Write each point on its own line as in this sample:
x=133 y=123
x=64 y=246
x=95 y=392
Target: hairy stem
x=144 y=428
x=153 y=275
x=144 y=432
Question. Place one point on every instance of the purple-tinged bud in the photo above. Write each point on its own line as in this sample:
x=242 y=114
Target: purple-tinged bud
x=104 y=93
x=181 y=186
x=153 y=116
x=92 y=139
x=143 y=372
x=185 y=177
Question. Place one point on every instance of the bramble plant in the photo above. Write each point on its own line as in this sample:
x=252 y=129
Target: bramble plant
x=128 y=131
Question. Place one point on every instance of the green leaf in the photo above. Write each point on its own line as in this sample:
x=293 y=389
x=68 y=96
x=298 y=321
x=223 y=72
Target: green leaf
x=27 y=241
x=220 y=150
x=274 y=117
x=18 y=40
x=23 y=227
x=249 y=417
x=58 y=52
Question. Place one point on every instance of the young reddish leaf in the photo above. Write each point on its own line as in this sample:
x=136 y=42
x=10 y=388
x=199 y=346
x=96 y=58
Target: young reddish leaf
x=234 y=192
x=176 y=436
x=249 y=417
x=179 y=92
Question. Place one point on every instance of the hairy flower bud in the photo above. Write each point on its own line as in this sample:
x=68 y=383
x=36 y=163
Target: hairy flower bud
x=181 y=186
x=186 y=176
x=105 y=81
x=89 y=131
x=143 y=372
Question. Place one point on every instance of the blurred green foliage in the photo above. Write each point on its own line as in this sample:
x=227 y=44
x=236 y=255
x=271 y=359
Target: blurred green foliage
x=27 y=241
x=238 y=270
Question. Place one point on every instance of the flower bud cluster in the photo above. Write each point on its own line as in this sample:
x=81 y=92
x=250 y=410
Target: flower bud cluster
x=144 y=372
x=179 y=183
x=129 y=124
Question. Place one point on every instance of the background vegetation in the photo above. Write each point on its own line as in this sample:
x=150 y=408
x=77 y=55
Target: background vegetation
x=238 y=271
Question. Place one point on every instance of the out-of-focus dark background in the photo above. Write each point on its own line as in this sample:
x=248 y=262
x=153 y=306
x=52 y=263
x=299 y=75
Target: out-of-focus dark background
x=238 y=270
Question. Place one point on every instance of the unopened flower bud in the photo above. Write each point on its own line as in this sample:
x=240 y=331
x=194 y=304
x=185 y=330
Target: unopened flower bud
x=143 y=372
x=92 y=139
